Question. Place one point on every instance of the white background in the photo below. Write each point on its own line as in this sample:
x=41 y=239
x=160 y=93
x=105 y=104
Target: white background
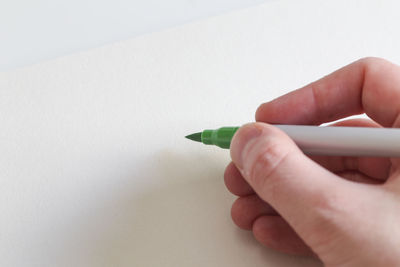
x=31 y=31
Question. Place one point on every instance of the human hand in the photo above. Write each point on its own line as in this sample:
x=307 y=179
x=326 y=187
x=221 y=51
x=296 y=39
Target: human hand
x=344 y=210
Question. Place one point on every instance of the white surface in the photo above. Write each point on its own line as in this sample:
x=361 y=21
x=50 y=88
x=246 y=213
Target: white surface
x=31 y=31
x=94 y=169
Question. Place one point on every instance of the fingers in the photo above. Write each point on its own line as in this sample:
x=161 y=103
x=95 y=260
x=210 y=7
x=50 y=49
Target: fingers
x=295 y=186
x=370 y=85
x=252 y=213
x=274 y=232
x=370 y=168
x=235 y=183
x=360 y=122
x=245 y=210
x=358 y=177
x=377 y=168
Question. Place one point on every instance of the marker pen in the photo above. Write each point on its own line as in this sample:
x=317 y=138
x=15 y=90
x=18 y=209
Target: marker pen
x=322 y=140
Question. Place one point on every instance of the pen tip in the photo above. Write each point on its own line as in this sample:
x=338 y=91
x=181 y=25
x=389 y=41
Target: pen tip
x=195 y=137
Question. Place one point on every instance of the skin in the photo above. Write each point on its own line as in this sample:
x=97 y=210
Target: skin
x=343 y=210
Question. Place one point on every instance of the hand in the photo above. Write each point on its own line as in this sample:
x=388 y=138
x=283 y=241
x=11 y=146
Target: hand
x=344 y=210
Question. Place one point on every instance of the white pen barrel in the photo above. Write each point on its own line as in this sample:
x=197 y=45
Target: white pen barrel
x=345 y=141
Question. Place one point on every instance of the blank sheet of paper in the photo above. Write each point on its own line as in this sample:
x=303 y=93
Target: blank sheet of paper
x=94 y=167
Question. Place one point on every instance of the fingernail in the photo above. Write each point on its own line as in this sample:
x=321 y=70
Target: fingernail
x=242 y=137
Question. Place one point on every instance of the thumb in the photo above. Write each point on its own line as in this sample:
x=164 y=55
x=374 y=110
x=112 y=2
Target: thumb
x=300 y=190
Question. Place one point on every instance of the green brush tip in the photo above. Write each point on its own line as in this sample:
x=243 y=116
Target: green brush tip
x=195 y=137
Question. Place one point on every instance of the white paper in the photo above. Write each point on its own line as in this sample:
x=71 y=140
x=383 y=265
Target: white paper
x=94 y=167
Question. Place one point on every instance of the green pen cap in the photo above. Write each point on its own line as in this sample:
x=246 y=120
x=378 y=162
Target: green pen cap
x=220 y=137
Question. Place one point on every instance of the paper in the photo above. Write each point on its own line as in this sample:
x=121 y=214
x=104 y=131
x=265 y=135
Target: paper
x=94 y=166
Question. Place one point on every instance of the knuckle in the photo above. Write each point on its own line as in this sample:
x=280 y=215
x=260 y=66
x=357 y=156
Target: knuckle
x=370 y=61
x=269 y=157
x=373 y=67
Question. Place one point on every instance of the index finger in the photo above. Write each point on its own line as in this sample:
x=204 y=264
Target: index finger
x=369 y=85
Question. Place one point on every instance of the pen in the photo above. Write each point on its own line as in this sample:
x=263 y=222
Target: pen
x=322 y=140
